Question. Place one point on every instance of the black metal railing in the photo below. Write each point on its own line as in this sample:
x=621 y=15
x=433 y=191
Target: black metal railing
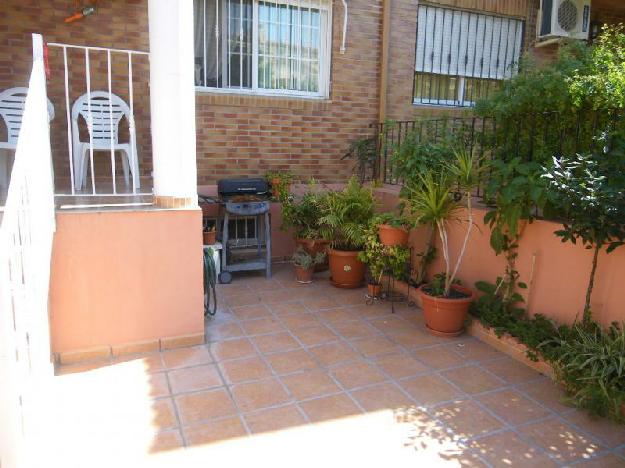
x=533 y=137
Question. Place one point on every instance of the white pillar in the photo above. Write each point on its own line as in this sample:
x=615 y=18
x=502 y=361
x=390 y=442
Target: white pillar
x=172 y=98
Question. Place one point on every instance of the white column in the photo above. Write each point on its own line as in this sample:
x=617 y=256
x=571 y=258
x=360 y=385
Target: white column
x=172 y=98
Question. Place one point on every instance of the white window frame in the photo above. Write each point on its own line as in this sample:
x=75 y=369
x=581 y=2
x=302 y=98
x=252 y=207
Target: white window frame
x=500 y=71
x=325 y=54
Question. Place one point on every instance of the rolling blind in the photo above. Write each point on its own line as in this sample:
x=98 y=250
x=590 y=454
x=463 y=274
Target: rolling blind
x=462 y=43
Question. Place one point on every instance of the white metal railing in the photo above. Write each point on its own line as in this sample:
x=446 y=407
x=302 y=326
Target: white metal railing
x=26 y=236
x=102 y=111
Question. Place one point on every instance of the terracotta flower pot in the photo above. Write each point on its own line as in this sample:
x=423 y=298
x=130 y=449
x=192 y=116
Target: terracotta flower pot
x=209 y=237
x=445 y=316
x=346 y=270
x=303 y=275
x=374 y=290
x=391 y=236
x=313 y=247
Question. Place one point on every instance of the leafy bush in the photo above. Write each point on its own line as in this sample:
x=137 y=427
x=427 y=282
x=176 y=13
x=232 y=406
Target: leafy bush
x=346 y=215
x=304 y=214
x=380 y=258
x=303 y=259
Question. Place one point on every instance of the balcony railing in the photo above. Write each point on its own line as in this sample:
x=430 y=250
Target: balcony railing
x=101 y=144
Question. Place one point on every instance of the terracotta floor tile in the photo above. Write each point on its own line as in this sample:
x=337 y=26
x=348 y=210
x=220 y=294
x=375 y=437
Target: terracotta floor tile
x=166 y=440
x=310 y=384
x=223 y=331
x=282 y=309
x=605 y=431
x=429 y=389
x=232 y=349
x=244 y=299
x=604 y=461
x=291 y=361
x=314 y=335
x=293 y=322
x=229 y=290
x=375 y=346
x=467 y=419
x=244 y=370
x=413 y=338
x=163 y=414
x=319 y=303
x=251 y=312
x=330 y=354
x=261 y=326
x=214 y=431
x=280 y=295
x=475 y=350
x=354 y=329
x=471 y=379
x=275 y=342
x=158 y=385
x=560 y=440
x=400 y=365
x=274 y=419
x=150 y=362
x=194 y=378
x=193 y=407
x=512 y=406
x=185 y=357
x=390 y=324
x=547 y=393
x=511 y=371
x=258 y=395
x=508 y=449
x=357 y=374
x=381 y=397
x=353 y=297
x=376 y=310
x=329 y=408
x=336 y=315
x=438 y=357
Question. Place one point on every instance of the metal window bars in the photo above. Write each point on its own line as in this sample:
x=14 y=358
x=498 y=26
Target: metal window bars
x=461 y=55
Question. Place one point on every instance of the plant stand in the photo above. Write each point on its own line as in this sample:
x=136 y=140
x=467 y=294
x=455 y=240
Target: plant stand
x=388 y=292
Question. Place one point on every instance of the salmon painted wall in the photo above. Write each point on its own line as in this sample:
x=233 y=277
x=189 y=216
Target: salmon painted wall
x=560 y=270
x=125 y=276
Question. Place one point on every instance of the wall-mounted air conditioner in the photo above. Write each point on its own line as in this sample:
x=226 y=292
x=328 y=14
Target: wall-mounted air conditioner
x=564 y=18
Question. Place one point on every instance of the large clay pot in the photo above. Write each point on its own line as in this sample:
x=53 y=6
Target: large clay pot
x=303 y=275
x=445 y=316
x=313 y=247
x=346 y=270
x=392 y=236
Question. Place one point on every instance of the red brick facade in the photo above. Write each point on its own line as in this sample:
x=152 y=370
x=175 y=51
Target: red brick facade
x=245 y=135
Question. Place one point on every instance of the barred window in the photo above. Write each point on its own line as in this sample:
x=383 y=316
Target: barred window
x=463 y=56
x=255 y=46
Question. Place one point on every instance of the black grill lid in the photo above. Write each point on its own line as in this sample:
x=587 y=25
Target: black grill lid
x=254 y=186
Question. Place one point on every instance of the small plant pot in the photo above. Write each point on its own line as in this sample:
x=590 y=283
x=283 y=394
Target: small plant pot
x=374 y=290
x=445 y=316
x=209 y=237
x=303 y=275
x=392 y=236
x=313 y=247
x=346 y=270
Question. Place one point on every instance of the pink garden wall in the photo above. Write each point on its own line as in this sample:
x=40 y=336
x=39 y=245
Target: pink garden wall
x=560 y=271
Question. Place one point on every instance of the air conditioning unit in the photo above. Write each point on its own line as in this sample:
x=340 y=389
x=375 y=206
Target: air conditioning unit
x=564 y=18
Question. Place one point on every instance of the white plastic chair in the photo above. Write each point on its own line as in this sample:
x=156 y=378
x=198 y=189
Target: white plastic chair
x=12 y=109
x=98 y=114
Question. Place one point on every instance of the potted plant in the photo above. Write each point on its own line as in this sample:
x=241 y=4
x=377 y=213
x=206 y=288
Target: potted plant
x=346 y=215
x=303 y=214
x=380 y=258
x=209 y=235
x=280 y=182
x=432 y=199
x=393 y=229
x=305 y=264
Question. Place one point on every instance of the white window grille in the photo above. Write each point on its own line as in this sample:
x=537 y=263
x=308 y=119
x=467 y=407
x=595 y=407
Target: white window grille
x=462 y=56
x=263 y=47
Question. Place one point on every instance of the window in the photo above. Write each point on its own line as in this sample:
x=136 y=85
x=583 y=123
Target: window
x=463 y=56
x=255 y=46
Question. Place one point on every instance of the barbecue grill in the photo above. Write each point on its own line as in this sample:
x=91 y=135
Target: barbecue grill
x=244 y=198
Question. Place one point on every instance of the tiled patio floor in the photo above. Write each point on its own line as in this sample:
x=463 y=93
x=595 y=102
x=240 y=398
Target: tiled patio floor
x=296 y=375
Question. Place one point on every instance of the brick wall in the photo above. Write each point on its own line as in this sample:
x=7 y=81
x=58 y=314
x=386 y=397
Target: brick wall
x=236 y=135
